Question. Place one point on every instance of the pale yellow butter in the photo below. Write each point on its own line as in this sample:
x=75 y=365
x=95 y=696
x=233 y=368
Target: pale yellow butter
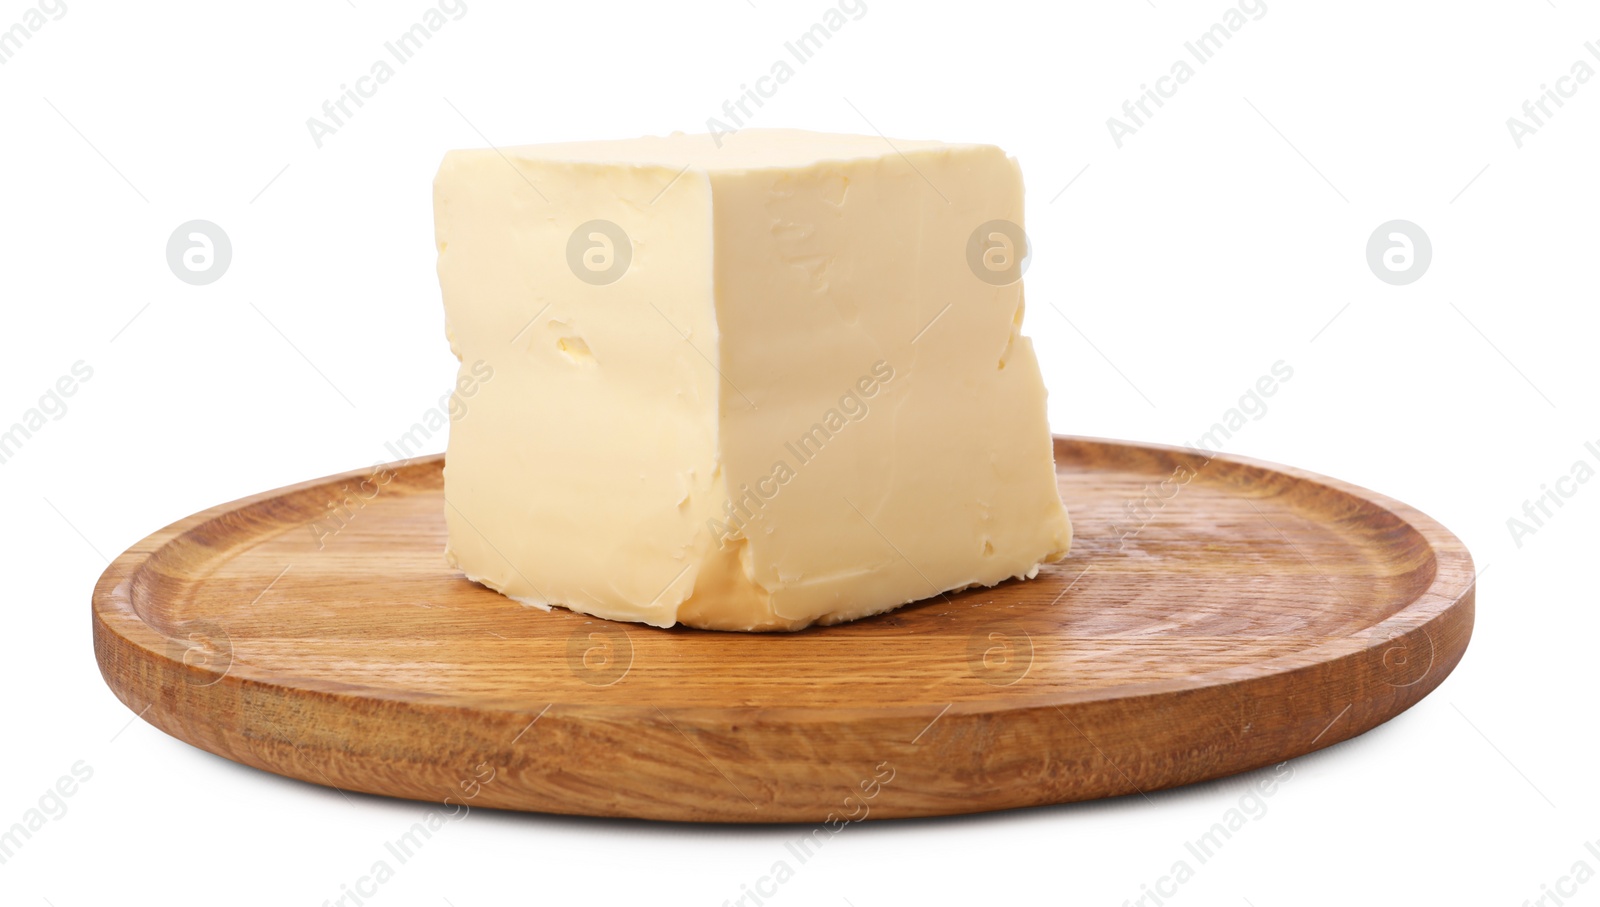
x=749 y=387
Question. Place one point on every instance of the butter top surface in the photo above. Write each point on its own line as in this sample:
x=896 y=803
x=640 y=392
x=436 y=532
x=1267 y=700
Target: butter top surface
x=747 y=149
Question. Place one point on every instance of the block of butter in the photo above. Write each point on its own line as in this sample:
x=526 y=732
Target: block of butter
x=754 y=381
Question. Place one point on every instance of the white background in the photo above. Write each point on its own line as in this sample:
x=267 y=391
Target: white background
x=1226 y=234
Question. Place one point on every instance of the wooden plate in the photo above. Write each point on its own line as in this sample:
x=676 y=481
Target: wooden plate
x=1215 y=616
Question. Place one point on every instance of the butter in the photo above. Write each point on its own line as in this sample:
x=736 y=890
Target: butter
x=756 y=382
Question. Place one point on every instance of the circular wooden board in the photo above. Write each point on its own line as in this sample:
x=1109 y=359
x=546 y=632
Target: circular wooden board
x=1216 y=615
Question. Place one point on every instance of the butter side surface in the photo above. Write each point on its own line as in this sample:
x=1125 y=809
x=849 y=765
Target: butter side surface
x=797 y=403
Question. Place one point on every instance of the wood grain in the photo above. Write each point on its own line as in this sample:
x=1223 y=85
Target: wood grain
x=1236 y=616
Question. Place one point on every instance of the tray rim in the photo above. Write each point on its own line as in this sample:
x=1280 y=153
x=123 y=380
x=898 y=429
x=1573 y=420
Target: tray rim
x=114 y=610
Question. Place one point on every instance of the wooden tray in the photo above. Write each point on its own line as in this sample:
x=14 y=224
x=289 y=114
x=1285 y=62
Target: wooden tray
x=1236 y=616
